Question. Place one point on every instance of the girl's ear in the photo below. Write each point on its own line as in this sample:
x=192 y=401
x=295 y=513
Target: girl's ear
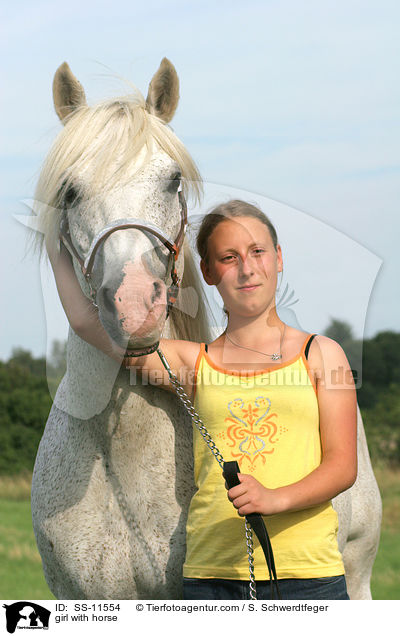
x=205 y=270
x=279 y=258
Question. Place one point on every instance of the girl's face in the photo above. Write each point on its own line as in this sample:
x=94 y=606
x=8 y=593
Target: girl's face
x=243 y=264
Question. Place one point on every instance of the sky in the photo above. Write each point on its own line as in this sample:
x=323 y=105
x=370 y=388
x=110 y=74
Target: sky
x=292 y=105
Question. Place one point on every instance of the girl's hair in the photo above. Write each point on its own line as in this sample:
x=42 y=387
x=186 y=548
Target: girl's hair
x=229 y=210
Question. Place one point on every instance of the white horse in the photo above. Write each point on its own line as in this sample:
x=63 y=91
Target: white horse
x=113 y=477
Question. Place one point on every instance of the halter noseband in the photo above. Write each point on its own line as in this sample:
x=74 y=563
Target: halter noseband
x=87 y=263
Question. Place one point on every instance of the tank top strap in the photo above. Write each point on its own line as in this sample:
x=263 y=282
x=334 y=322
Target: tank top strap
x=206 y=348
x=307 y=345
x=203 y=349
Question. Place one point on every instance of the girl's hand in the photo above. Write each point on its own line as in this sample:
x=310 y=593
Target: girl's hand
x=251 y=496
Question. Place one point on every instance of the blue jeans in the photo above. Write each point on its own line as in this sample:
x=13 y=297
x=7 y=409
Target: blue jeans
x=325 y=588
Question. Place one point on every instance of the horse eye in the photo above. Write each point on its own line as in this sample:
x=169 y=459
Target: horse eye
x=70 y=197
x=174 y=183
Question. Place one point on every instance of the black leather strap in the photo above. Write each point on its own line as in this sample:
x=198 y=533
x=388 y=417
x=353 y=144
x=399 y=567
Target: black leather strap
x=231 y=470
x=307 y=349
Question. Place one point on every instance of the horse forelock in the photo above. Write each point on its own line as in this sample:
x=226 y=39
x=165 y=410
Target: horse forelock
x=103 y=147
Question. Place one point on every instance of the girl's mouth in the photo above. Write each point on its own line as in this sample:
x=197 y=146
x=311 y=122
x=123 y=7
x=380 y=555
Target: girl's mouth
x=248 y=288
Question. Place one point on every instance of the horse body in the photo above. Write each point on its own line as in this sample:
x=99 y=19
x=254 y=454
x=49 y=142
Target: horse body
x=110 y=496
x=360 y=513
x=113 y=476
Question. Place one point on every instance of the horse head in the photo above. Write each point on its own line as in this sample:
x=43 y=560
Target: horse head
x=113 y=181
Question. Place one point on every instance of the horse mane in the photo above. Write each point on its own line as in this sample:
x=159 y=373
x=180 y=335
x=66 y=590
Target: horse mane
x=191 y=319
x=112 y=139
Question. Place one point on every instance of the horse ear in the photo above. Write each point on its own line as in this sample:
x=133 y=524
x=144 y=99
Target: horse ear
x=163 y=96
x=68 y=93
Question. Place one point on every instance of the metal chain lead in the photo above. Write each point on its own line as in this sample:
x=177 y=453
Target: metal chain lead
x=192 y=412
x=218 y=456
x=250 y=558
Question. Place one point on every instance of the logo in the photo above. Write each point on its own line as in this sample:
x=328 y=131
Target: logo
x=26 y=615
x=253 y=430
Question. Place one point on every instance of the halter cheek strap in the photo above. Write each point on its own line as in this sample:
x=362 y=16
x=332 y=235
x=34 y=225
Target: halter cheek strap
x=174 y=247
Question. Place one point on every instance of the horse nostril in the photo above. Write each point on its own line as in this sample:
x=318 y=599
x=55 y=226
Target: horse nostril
x=156 y=291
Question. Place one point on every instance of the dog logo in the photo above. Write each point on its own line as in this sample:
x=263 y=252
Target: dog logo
x=26 y=615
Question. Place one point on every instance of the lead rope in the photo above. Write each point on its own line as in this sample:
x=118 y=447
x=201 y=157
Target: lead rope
x=197 y=421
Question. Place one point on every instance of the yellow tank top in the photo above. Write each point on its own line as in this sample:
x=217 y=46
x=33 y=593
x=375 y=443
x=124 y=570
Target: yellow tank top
x=268 y=422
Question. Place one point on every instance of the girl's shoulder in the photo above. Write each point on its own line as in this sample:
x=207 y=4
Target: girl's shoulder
x=319 y=347
x=184 y=351
x=324 y=348
x=329 y=364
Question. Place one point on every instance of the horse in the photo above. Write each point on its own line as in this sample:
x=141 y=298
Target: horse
x=113 y=476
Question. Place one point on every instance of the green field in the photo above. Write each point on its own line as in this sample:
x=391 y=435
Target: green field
x=385 y=583
x=21 y=575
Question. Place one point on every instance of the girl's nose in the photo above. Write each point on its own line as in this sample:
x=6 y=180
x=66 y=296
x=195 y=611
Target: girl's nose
x=246 y=266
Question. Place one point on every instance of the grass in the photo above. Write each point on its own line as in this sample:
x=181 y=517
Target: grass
x=385 y=583
x=17 y=488
x=21 y=575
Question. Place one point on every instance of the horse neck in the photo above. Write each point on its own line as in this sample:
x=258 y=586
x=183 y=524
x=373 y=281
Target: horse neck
x=91 y=374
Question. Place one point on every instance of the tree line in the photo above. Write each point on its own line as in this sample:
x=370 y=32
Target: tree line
x=378 y=361
x=26 y=383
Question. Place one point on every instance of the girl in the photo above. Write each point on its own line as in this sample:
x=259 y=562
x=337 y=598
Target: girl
x=275 y=399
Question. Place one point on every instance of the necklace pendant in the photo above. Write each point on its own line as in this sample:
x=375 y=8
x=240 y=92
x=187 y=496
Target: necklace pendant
x=276 y=356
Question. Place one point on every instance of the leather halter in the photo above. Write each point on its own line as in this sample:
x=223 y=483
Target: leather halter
x=87 y=263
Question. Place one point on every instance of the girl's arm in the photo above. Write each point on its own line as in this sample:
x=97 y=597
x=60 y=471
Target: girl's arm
x=82 y=315
x=338 y=429
x=181 y=356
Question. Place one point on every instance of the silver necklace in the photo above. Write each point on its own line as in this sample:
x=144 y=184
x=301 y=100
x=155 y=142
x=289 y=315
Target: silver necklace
x=273 y=356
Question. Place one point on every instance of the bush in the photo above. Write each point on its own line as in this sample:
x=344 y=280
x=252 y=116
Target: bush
x=382 y=427
x=25 y=404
